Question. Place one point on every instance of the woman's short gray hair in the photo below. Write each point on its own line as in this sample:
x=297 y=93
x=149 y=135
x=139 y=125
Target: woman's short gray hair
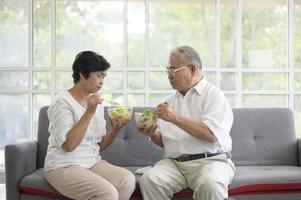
x=188 y=55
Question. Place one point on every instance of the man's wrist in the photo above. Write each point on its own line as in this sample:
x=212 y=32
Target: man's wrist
x=176 y=119
x=151 y=135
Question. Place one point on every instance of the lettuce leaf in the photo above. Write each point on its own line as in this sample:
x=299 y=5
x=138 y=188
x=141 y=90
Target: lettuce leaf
x=147 y=118
x=121 y=113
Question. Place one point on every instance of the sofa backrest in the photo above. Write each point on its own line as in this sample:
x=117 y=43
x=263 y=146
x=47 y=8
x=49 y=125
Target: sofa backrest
x=261 y=136
x=264 y=136
x=43 y=135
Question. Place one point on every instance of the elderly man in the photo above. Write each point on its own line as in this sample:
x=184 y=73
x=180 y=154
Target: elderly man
x=193 y=128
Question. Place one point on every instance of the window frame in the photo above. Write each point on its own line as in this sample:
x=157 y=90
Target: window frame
x=217 y=70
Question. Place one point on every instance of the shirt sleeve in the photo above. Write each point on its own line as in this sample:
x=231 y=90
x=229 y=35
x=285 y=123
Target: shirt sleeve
x=61 y=121
x=218 y=117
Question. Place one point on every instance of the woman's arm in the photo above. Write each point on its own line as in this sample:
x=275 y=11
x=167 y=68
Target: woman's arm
x=110 y=136
x=107 y=139
x=78 y=131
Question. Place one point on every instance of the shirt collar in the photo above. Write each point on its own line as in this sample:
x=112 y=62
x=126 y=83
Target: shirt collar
x=199 y=87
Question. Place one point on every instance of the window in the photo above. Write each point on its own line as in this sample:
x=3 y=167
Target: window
x=249 y=49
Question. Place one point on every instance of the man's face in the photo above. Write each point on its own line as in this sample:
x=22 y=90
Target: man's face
x=181 y=78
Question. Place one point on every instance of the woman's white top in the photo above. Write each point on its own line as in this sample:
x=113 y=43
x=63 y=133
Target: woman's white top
x=63 y=114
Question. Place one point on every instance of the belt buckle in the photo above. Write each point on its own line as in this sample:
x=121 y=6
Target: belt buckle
x=228 y=155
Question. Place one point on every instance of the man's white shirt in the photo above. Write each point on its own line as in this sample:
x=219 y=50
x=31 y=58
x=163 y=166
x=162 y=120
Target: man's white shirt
x=203 y=102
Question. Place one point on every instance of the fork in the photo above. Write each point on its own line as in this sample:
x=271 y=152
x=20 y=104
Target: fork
x=113 y=103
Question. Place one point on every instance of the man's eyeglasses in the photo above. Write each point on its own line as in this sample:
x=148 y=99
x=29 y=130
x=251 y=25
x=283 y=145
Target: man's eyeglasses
x=172 y=72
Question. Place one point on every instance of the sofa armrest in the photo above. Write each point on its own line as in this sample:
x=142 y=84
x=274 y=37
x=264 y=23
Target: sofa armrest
x=20 y=160
x=299 y=150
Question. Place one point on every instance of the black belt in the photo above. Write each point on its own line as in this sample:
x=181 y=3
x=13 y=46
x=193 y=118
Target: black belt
x=187 y=157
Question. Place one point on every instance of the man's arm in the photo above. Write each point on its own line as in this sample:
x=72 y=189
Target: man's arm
x=156 y=138
x=193 y=127
x=154 y=135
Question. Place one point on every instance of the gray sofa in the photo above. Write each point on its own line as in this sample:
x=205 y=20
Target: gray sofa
x=265 y=150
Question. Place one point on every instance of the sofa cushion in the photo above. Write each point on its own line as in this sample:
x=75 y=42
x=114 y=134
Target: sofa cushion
x=247 y=180
x=264 y=136
x=250 y=179
x=36 y=184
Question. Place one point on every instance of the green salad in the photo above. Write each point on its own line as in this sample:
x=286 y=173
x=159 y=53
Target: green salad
x=120 y=113
x=146 y=118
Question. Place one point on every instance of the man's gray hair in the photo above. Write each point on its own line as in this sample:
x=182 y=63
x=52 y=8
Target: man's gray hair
x=188 y=55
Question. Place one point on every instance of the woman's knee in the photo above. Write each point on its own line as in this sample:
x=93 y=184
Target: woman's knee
x=129 y=181
x=107 y=193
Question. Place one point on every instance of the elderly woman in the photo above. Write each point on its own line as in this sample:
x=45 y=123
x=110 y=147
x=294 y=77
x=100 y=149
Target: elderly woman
x=73 y=165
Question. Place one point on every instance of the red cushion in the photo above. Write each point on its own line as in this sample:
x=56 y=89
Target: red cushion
x=40 y=192
x=276 y=188
x=267 y=188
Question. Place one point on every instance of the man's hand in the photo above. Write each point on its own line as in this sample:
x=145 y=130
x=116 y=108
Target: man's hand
x=147 y=130
x=165 y=112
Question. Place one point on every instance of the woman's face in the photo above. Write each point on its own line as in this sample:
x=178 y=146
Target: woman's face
x=95 y=81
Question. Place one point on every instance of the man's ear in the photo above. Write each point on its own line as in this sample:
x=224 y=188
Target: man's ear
x=193 y=69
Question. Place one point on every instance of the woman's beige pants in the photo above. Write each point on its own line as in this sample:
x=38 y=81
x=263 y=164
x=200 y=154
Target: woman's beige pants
x=103 y=181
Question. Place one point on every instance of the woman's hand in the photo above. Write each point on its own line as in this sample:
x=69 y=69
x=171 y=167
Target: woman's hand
x=117 y=124
x=92 y=102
